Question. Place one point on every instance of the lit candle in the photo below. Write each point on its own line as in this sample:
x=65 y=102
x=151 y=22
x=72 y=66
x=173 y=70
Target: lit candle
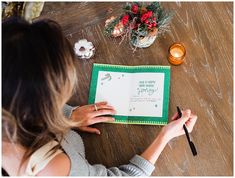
x=176 y=54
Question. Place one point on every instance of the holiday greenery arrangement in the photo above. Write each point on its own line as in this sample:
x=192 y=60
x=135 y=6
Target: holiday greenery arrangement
x=141 y=22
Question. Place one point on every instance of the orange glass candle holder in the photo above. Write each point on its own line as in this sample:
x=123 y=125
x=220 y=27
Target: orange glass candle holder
x=176 y=54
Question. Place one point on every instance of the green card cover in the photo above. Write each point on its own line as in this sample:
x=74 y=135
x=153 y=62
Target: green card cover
x=139 y=94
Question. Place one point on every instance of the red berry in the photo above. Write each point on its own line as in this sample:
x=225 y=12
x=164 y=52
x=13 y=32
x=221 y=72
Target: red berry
x=134 y=8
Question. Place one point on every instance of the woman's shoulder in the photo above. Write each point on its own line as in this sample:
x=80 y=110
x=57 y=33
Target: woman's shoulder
x=58 y=166
x=61 y=164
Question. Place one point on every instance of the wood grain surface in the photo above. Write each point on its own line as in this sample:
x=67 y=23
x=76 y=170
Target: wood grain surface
x=203 y=83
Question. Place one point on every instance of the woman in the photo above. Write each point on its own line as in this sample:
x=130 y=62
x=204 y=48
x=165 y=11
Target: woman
x=38 y=77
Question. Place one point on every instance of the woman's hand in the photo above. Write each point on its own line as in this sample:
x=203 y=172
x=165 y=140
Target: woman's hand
x=175 y=128
x=87 y=115
x=171 y=130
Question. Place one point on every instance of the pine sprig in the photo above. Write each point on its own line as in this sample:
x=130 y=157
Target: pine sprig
x=127 y=7
x=110 y=27
x=154 y=7
x=163 y=21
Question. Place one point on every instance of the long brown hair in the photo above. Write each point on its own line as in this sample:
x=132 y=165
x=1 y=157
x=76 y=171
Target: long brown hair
x=38 y=76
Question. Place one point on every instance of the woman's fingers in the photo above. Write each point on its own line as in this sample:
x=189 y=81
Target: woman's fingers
x=185 y=115
x=102 y=119
x=100 y=106
x=89 y=129
x=95 y=121
x=191 y=122
x=103 y=105
x=103 y=112
x=174 y=117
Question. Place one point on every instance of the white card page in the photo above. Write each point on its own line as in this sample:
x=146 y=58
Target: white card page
x=132 y=94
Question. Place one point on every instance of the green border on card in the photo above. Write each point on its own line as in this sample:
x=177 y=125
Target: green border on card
x=134 y=69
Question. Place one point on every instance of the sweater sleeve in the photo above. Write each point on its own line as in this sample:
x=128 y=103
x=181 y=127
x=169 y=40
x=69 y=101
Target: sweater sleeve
x=138 y=166
x=67 y=110
x=73 y=145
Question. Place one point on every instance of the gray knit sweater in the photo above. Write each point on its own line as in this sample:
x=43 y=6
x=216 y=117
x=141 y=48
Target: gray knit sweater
x=74 y=148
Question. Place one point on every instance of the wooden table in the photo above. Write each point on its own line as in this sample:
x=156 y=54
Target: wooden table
x=203 y=83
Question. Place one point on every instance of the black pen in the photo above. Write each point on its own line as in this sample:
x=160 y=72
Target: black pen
x=192 y=146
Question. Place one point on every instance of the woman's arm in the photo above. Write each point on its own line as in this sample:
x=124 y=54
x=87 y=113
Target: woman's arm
x=170 y=131
x=143 y=165
x=154 y=150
